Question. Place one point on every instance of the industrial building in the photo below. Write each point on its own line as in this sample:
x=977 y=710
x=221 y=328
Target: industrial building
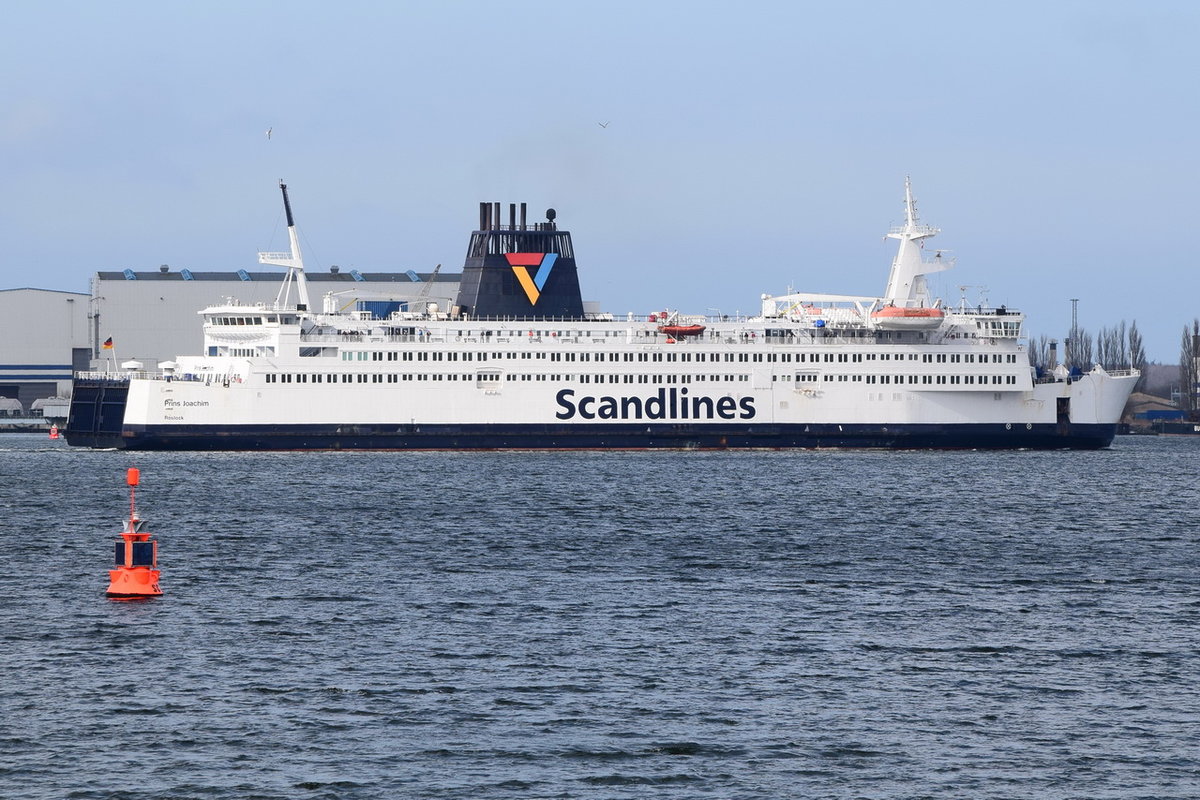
x=153 y=316
x=45 y=337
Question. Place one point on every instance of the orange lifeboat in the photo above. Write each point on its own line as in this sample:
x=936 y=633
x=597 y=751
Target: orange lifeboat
x=895 y=318
x=681 y=330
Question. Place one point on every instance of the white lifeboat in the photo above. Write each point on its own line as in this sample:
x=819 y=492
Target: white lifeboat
x=895 y=318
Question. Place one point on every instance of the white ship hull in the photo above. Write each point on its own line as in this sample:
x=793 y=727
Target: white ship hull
x=810 y=371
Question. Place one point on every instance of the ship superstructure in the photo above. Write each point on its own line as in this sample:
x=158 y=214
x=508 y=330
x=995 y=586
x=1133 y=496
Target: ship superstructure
x=519 y=361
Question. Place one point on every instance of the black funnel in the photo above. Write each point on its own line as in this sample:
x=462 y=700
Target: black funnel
x=519 y=271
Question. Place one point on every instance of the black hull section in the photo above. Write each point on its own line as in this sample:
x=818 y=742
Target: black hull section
x=602 y=437
x=97 y=413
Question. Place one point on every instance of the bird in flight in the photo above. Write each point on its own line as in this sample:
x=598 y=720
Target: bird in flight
x=269 y=132
x=602 y=124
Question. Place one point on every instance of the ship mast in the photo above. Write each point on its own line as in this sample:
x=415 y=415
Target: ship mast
x=906 y=285
x=292 y=260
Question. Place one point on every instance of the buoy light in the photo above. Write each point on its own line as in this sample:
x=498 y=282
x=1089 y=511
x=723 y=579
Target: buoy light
x=135 y=569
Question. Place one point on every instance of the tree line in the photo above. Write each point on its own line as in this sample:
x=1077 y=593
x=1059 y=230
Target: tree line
x=1116 y=348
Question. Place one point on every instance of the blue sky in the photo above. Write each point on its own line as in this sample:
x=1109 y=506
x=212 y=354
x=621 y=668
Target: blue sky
x=750 y=146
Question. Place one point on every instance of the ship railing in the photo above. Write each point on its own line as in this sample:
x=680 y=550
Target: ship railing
x=124 y=376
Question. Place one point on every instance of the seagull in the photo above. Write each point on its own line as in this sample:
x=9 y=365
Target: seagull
x=269 y=132
x=602 y=124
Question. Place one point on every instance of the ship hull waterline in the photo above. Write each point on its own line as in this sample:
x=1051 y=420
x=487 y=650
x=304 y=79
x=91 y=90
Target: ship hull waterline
x=666 y=436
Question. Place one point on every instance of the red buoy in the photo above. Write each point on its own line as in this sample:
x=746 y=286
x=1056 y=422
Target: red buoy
x=135 y=572
x=53 y=431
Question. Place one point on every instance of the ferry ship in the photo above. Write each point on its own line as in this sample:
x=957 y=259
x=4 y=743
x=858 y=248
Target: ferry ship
x=519 y=362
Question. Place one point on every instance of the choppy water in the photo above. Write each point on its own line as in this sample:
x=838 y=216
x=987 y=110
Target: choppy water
x=626 y=625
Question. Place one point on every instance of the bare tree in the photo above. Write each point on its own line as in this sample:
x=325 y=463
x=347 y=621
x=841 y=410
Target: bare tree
x=1081 y=350
x=1187 y=368
x=1039 y=353
x=1137 y=355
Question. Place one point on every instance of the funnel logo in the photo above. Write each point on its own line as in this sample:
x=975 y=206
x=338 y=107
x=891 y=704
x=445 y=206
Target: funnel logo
x=522 y=263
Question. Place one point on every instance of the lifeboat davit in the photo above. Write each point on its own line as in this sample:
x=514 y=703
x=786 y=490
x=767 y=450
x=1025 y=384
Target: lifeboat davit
x=895 y=318
x=681 y=330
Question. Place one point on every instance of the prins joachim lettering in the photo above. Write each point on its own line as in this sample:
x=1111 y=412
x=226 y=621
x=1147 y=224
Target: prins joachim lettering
x=665 y=404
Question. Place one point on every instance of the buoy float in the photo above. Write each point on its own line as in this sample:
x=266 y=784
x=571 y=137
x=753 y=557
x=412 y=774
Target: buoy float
x=53 y=431
x=136 y=560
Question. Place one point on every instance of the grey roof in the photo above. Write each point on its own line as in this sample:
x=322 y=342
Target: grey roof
x=277 y=276
x=36 y=289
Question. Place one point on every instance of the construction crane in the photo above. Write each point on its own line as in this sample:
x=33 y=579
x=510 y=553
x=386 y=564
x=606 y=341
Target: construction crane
x=423 y=295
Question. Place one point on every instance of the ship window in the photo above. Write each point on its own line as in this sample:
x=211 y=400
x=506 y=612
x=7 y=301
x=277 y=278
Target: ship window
x=377 y=356
x=362 y=378
x=392 y=356
x=407 y=376
x=670 y=356
x=391 y=378
x=270 y=378
x=656 y=357
x=743 y=377
x=627 y=379
x=954 y=379
x=941 y=358
x=758 y=357
x=870 y=356
x=406 y=356
x=627 y=357
x=285 y=378
x=332 y=378
x=743 y=357
x=347 y=378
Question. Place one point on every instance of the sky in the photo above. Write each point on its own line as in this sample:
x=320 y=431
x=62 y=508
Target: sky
x=747 y=148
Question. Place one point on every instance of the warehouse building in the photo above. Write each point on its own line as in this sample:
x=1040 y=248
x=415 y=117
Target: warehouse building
x=45 y=337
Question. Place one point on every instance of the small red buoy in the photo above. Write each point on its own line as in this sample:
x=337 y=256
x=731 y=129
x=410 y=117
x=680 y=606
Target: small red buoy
x=53 y=431
x=135 y=572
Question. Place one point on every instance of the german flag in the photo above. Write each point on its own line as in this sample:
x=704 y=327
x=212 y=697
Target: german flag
x=107 y=343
